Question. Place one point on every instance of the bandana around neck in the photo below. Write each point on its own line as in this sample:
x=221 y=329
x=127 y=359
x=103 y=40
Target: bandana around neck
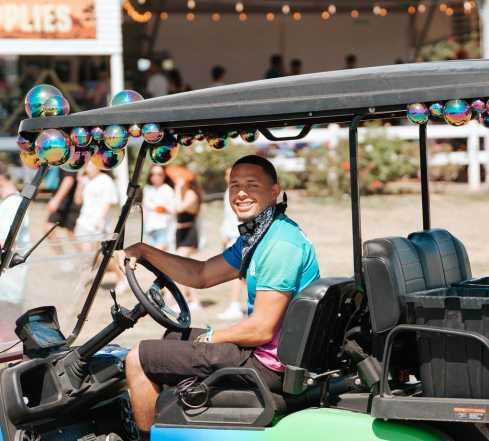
x=254 y=231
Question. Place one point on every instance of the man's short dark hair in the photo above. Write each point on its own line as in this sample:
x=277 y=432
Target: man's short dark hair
x=351 y=59
x=296 y=62
x=276 y=60
x=217 y=72
x=265 y=164
x=4 y=171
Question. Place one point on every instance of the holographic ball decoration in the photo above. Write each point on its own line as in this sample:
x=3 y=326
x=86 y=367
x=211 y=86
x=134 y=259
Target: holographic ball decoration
x=24 y=145
x=34 y=101
x=56 y=106
x=478 y=106
x=97 y=134
x=135 y=130
x=199 y=137
x=152 y=133
x=107 y=159
x=54 y=147
x=484 y=120
x=250 y=135
x=163 y=152
x=80 y=137
x=233 y=134
x=116 y=137
x=126 y=97
x=185 y=140
x=30 y=160
x=457 y=112
x=417 y=113
x=79 y=160
x=217 y=141
x=436 y=110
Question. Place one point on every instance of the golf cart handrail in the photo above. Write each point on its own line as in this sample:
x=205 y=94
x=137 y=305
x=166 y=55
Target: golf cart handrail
x=325 y=97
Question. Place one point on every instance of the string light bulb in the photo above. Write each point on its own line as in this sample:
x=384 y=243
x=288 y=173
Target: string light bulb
x=472 y=3
x=332 y=9
x=190 y=16
x=141 y=2
x=239 y=7
x=325 y=15
x=191 y=4
x=443 y=7
x=383 y=12
x=164 y=16
x=421 y=8
x=354 y=13
x=270 y=16
x=285 y=9
x=242 y=16
x=297 y=16
x=449 y=12
x=411 y=10
x=377 y=10
x=467 y=5
x=216 y=17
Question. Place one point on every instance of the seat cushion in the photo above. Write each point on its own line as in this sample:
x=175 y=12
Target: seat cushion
x=392 y=269
x=443 y=257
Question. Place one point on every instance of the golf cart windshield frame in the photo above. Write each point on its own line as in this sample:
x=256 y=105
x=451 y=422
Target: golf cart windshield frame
x=332 y=97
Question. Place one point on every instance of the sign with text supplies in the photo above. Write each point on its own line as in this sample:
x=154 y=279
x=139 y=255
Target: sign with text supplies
x=48 y=19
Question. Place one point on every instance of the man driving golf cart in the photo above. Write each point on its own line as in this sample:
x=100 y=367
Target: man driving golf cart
x=277 y=260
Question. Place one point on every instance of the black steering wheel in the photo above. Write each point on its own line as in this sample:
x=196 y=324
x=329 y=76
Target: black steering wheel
x=153 y=302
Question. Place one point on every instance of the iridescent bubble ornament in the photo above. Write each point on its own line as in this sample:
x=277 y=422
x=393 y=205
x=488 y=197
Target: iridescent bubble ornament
x=97 y=134
x=80 y=137
x=135 y=130
x=478 y=106
x=54 y=147
x=163 y=152
x=436 y=110
x=126 y=97
x=484 y=120
x=152 y=133
x=79 y=160
x=30 y=160
x=217 y=141
x=250 y=135
x=233 y=134
x=199 y=137
x=185 y=140
x=116 y=137
x=417 y=113
x=34 y=101
x=107 y=159
x=457 y=112
x=56 y=106
x=24 y=145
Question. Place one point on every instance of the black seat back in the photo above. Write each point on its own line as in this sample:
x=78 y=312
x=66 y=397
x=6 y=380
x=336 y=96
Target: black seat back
x=392 y=269
x=310 y=321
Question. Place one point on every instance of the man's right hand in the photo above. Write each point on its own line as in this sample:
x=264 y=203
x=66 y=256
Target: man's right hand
x=132 y=253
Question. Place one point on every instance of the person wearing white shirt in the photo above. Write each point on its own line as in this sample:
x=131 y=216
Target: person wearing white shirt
x=158 y=209
x=157 y=83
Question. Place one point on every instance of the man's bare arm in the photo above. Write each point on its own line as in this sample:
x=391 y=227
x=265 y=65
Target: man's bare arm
x=188 y=272
x=262 y=325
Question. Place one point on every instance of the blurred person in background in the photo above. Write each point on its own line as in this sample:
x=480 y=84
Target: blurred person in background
x=62 y=206
x=99 y=98
x=229 y=235
x=188 y=200
x=158 y=208
x=176 y=84
x=218 y=74
x=276 y=67
x=157 y=84
x=351 y=61
x=96 y=193
x=12 y=281
x=296 y=67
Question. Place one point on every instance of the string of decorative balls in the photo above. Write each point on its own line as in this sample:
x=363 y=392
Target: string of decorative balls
x=454 y=112
x=104 y=147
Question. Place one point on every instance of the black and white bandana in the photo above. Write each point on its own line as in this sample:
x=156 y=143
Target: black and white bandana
x=254 y=231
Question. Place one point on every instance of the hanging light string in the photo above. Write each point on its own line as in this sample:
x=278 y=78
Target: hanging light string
x=135 y=15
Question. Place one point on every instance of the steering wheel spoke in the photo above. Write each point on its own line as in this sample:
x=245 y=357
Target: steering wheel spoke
x=153 y=301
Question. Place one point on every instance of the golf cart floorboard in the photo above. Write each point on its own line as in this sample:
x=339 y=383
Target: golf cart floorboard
x=431 y=409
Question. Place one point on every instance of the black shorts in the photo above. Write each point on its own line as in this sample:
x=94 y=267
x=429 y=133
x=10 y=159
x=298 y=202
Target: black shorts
x=177 y=357
x=66 y=219
x=188 y=237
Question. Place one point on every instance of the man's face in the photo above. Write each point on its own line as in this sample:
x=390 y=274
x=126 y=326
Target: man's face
x=251 y=192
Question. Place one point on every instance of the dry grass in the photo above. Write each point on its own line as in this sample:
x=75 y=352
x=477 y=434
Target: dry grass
x=328 y=225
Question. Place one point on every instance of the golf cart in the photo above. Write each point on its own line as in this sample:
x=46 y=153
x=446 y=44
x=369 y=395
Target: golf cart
x=399 y=351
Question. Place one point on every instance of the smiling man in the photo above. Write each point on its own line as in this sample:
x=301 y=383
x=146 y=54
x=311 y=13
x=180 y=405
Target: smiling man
x=277 y=260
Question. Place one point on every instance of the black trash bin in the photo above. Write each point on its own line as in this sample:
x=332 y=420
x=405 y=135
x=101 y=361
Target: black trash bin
x=452 y=366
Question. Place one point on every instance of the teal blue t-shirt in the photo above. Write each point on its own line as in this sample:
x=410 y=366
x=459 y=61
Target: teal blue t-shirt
x=285 y=260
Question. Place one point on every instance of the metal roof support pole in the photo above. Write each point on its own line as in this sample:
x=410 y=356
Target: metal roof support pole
x=425 y=178
x=355 y=201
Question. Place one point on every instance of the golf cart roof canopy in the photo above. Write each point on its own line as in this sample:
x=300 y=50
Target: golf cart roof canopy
x=336 y=96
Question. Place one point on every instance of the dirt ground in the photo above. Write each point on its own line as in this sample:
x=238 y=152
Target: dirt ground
x=327 y=222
